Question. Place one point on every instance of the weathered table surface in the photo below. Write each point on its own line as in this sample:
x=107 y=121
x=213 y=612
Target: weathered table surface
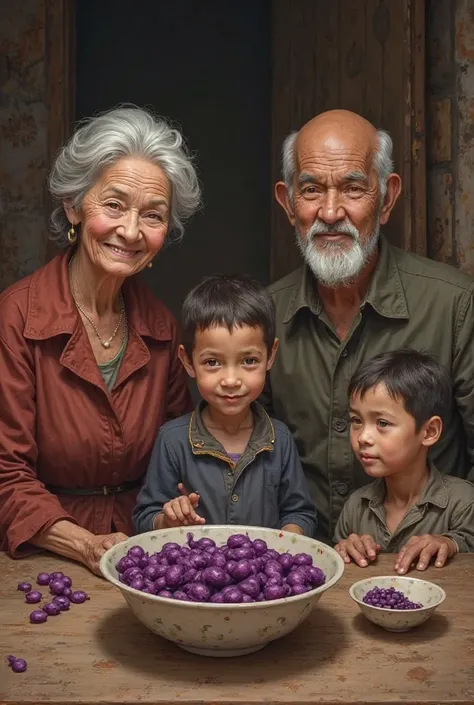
x=99 y=653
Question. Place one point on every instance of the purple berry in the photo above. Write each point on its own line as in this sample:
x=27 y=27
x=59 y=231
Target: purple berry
x=38 y=616
x=56 y=587
x=18 y=665
x=62 y=601
x=33 y=596
x=24 y=587
x=43 y=578
x=79 y=596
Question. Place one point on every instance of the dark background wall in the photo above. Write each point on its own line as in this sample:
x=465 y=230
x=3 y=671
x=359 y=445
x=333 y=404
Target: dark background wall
x=206 y=66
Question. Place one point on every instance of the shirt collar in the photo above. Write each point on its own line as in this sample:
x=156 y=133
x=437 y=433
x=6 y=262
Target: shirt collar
x=52 y=311
x=385 y=294
x=435 y=491
x=202 y=441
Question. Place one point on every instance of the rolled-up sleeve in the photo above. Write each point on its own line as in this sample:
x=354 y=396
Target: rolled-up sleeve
x=295 y=503
x=26 y=507
x=346 y=524
x=461 y=523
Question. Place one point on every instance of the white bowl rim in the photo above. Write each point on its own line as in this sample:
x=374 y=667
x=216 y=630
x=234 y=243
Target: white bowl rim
x=224 y=605
x=398 y=577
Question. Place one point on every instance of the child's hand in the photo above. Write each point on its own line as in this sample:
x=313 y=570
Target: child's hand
x=422 y=549
x=180 y=511
x=362 y=549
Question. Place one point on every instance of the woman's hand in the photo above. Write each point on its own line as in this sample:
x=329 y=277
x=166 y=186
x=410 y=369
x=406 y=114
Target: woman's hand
x=95 y=546
x=72 y=541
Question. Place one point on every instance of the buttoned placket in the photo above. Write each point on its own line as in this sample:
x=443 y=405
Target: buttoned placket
x=339 y=447
x=233 y=472
x=413 y=516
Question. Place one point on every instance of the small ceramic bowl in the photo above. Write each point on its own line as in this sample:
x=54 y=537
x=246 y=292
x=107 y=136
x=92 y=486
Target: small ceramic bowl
x=216 y=629
x=417 y=590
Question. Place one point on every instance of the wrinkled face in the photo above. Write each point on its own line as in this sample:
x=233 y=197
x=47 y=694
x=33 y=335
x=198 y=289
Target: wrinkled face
x=124 y=218
x=229 y=367
x=383 y=435
x=336 y=207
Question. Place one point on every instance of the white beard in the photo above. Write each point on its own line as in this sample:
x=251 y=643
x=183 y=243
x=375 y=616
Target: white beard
x=332 y=263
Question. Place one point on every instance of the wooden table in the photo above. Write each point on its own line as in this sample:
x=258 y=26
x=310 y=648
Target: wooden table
x=99 y=653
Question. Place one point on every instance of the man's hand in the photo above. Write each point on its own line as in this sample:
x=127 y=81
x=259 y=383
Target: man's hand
x=361 y=549
x=421 y=549
x=94 y=548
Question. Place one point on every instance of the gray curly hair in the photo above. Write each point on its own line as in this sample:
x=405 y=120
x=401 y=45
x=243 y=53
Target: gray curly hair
x=102 y=140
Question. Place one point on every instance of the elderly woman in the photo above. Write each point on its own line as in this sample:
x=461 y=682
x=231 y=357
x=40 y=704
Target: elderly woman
x=88 y=361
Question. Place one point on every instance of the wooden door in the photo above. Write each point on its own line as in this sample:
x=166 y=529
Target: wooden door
x=361 y=55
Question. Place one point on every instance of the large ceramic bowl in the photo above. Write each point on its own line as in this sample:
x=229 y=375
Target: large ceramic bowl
x=216 y=629
x=420 y=591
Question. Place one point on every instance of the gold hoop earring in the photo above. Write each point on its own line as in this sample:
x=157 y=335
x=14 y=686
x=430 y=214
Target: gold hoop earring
x=72 y=236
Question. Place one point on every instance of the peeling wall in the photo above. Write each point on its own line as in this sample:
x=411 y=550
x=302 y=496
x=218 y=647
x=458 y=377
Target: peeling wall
x=450 y=138
x=23 y=138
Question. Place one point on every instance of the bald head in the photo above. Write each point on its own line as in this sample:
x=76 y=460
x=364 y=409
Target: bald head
x=339 y=129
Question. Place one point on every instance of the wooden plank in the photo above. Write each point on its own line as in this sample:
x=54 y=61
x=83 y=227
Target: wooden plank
x=353 y=56
x=98 y=653
x=60 y=81
x=418 y=240
x=391 y=20
x=374 y=65
x=327 y=67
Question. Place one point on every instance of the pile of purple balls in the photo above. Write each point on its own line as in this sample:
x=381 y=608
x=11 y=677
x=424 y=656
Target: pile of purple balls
x=389 y=598
x=240 y=571
x=60 y=587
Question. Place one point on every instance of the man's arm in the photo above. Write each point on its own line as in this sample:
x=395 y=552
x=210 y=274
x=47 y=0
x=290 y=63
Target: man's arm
x=463 y=371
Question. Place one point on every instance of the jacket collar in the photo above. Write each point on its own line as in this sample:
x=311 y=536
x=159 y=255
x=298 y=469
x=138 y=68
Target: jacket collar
x=203 y=442
x=385 y=294
x=52 y=311
x=435 y=491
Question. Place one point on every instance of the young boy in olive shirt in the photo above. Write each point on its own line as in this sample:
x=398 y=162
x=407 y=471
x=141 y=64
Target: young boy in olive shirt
x=396 y=403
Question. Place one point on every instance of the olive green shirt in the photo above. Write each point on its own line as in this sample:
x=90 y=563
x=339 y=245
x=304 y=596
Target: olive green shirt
x=446 y=508
x=411 y=302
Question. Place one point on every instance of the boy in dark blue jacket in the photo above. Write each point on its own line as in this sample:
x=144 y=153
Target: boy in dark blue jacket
x=228 y=462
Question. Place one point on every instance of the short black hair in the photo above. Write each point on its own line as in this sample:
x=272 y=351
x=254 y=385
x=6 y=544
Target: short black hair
x=413 y=377
x=231 y=301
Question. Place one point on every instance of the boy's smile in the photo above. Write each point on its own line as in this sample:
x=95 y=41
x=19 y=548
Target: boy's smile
x=229 y=366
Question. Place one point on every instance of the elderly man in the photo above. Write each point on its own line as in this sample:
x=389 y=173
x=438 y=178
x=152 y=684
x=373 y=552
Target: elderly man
x=354 y=297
